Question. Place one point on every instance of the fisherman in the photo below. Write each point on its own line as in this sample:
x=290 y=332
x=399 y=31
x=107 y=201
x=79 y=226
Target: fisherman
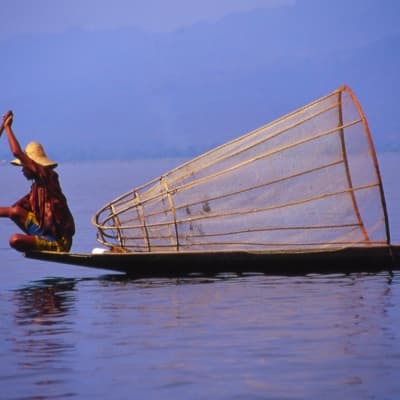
x=43 y=214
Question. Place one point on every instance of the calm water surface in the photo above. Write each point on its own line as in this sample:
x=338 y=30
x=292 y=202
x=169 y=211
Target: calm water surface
x=68 y=332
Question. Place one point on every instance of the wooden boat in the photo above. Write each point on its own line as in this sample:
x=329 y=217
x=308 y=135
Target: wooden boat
x=301 y=194
x=155 y=264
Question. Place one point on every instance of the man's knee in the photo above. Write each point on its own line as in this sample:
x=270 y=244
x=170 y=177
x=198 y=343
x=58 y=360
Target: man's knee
x=15 y=241
x=16 y=213
x=22 y=242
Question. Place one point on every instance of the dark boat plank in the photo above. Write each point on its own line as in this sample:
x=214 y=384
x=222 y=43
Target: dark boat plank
x=352 y=259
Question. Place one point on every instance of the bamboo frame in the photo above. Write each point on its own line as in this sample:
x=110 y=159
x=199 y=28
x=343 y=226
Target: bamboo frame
x=256 y=230
x=251 y=211
x=243 y=138
x=274 y=245
x=141 y=216
x=348 y=173
x=244 y=163
x=250 y=188
x=111 y=227
x=172 y=209
x=374 y=158
x=246 y=136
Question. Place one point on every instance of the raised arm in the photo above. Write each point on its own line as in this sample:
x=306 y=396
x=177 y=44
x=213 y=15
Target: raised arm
x=1 y=127
x=14 y=144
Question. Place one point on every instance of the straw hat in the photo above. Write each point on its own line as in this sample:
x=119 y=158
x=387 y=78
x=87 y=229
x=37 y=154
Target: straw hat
x=35 y=151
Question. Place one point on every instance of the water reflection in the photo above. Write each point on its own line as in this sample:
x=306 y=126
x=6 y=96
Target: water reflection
x=44 y=302
x=147 y=282
x=225 y=334
x=42 y=336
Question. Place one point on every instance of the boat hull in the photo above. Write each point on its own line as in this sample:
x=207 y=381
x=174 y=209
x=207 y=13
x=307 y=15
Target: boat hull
x=347 y=260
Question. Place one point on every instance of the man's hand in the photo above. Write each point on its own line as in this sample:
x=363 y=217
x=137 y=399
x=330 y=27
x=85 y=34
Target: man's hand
x=8 y=118
x=7 y=121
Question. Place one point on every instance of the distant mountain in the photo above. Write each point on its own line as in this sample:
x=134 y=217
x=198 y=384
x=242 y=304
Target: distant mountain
x=127 y=93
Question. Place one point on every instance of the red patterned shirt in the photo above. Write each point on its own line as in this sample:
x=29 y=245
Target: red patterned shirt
x=47 y=201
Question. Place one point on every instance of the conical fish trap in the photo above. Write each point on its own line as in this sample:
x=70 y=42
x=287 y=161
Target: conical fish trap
x=306 y=181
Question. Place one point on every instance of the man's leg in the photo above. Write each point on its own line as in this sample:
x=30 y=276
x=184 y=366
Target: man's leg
x=22 y=242
x=19 y=216
x=28 y=242
x=33 y=239
x=16 y=214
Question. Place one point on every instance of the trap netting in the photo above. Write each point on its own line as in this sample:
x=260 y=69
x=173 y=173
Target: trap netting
x=307 y=180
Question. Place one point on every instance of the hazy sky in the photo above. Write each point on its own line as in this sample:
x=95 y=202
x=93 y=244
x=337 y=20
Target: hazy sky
x=52 y=16
x=170 y=77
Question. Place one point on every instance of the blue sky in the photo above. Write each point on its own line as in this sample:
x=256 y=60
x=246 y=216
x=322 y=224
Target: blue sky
x=127 y=79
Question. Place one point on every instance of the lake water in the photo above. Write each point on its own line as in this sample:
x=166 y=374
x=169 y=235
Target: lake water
x=72 y=333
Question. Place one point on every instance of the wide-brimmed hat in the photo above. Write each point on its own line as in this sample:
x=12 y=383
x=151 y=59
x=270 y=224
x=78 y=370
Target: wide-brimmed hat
x=35 y=151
